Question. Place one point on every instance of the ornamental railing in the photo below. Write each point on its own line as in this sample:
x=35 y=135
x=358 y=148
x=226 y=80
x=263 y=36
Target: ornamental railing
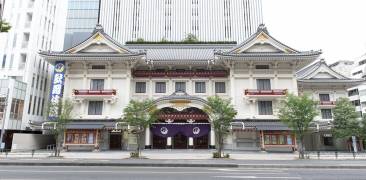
x=183 y=116
x=328 y=103
x=188 y=73
x=272 y=92
x=87 y=92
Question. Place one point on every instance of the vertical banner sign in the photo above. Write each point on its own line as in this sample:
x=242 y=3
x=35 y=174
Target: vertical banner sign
x=57 y=86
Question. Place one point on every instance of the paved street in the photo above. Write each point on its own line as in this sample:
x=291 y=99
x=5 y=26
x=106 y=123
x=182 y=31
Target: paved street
x=159 y=173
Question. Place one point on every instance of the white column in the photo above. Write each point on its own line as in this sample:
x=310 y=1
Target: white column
x=190 y=142
x=212 y=138
x=169 y=142
x=147 y=138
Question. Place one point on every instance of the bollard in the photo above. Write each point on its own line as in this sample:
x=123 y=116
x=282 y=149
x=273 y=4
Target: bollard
x=318 y=154
x=336 y=154
x=33 y=151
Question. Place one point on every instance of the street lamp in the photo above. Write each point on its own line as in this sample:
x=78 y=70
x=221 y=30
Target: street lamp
x=5 y=96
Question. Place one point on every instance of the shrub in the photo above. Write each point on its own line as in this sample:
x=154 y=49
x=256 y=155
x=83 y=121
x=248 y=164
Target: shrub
x=134 y=155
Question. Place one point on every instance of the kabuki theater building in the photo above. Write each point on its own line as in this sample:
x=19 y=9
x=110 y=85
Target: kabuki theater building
x=101 y=76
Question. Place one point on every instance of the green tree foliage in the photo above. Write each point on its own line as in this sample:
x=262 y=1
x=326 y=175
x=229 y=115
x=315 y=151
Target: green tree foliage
x=61 y=113
x=363 y=128
x=191 y=38
x=298 y=112
x=139 y=115
x=4 y=26
x=346 y=123
x=140 y=40
x=221 y=112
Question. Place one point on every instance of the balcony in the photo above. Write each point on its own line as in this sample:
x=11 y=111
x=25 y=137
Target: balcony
x=327 y=103
x=177 y=116
x=188 y=73
x=106 y=94
x=265 y=94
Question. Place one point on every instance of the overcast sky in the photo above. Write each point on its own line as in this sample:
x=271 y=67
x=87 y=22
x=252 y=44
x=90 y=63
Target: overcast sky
x=338 y=27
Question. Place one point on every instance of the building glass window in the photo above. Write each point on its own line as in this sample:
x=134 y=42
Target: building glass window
x=220 y=87
x=95 y=108
x=180 y=86
x=263 y=84
x=328 y=141
x=77 y=137
x=160 y=87
x=97 y=84
x=140 y=87
x=353 y=92
x=324 y=97
x=326 y=113
x=200 y=87
x=265 y=108
x=277 y=139
x=30 y=104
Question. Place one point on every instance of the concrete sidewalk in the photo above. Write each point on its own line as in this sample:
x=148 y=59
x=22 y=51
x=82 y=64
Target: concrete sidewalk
x=181 y=155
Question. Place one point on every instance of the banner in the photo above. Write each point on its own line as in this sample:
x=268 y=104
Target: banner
x=189 y=130
x=57 y=86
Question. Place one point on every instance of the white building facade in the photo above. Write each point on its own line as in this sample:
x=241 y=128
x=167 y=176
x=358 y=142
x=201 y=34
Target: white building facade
x=102 y=76
x=173 y=20
x=36 y=25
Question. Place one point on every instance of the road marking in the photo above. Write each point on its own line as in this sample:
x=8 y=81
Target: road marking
x=255 y=177
x=249 y=170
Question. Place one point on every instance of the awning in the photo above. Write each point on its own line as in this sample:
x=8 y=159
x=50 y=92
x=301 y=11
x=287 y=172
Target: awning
x=85 y=126
x=264 y=124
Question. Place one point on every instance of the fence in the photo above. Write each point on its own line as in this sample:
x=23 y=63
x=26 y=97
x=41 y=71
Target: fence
x=334 y=155
x=49 y=151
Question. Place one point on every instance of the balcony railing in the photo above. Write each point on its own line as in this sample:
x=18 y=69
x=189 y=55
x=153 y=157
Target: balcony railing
x=206 y=73
x=86 y=92
x=327 y=103
x=183 y=116
x=272 y=92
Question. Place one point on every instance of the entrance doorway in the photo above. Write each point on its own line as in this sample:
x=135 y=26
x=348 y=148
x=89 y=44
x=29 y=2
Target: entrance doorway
x=159 y=142
x=180 y=141
x=115 y=141
x=201 y=142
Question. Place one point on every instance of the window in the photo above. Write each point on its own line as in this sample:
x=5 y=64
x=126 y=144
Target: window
x=30 y=104
x=220 y=87
x=140 y=87
x=38 y=105
x=324 y=97
x=180 y=86
x=98 y=67
x=356 y=102
x=95 y=108
x=328 y=141
x=265 y=108
x=326 y=113
x=353 y=92
x=277 y=139
x=262 y=66
x=77 y=137
x=160 y=87
x=34 y=105
x=263 y=84
x=97 y=84
x=200 y=87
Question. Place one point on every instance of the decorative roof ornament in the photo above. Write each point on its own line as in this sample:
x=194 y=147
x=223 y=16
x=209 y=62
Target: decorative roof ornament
x=262 y=27
x=98 y=28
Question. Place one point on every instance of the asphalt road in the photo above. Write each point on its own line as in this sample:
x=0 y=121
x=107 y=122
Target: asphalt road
x=160 y=173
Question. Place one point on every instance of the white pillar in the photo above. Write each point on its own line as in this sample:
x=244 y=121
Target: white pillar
x=212 y=138
x=190 y=142
x=169 y=142
x=147 y=138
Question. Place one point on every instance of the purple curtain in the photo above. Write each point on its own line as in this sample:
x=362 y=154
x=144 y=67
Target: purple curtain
x=189 y=130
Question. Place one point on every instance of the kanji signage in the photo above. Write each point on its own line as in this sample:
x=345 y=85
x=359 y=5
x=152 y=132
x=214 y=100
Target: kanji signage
x=57 y=85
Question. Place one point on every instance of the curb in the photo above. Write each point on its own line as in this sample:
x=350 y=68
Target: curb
x=116 y=164
x=300 y=166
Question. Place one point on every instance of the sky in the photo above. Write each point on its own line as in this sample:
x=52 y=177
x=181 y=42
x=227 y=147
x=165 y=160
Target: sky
x=337 y=27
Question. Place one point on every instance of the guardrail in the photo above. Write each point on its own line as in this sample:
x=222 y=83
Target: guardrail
x=334 y=155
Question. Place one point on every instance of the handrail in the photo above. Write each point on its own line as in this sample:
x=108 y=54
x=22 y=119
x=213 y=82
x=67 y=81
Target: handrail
x=277 y=92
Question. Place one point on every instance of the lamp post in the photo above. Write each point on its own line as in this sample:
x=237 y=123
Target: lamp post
x=5 y=96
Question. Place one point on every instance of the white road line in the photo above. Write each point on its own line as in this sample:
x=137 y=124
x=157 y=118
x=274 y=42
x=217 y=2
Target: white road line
x=249 y=170
x=255 y=177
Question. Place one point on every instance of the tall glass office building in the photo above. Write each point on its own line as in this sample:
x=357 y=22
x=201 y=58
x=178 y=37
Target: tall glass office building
x=82 y=16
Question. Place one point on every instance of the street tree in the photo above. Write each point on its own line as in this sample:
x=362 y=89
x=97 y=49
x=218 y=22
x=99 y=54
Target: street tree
x=222 y=113
x=4 y=26
x=345 y=123
x=139 y=115
x=60 y=116
x=190 y=38
x=298 y=112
